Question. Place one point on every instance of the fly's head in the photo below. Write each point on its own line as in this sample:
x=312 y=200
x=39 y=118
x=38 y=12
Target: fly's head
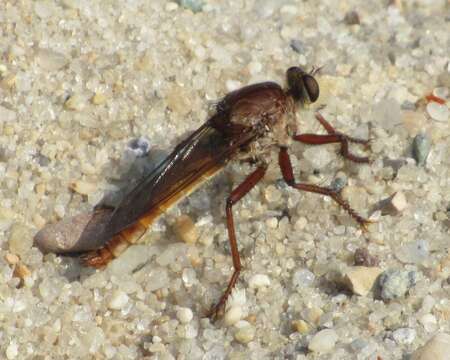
x=302 y=86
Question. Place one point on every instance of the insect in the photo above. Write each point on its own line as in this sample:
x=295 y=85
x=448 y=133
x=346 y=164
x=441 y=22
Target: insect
x=245 y=126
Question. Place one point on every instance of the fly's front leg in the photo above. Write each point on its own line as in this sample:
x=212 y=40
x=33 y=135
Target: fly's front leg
x=288 y=176
x=236 y=195
x=333 y=136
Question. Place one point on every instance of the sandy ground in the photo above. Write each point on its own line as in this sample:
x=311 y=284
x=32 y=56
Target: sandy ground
x=80 y=80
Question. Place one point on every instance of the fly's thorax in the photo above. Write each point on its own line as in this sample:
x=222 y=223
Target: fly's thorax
x=281 y=129
x=259 y=105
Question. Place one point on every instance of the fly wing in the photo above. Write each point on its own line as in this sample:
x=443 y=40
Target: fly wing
x=191 y=163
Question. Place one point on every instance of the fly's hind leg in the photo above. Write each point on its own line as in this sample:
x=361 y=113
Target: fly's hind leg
x=288 y=176
x=334 y=136
x=237 y=194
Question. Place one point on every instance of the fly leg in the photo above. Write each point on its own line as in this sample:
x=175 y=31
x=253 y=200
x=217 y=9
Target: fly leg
x=288 y=176
x=333 y=136
x=236 y=195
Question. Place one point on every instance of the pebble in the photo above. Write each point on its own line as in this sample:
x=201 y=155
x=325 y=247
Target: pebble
x=414 y=252
x=254 y=67
x=301 y=326
x=434 y=349
x=232 y=85
x=352 y=18
x=118 y=300
x=398 y=201
x=140 y=147
x=394 y=204
x=338 y=183
x=194 y=5
x=404 y=335
x=12 y=259
x=7 y=115
x=441 y=92
x=20 y=239
x=312 y=314
x=303 y=278
x=396 y=283
x=438 y=112
x=83 y=187
x=387 y=114
x=75 y=102
x=429 y=322
x=98 y=98
x=73 y=234
x=185 y=229
x=318 y=157
x=258 y=281
x=21 y=271
x=185 y=315
x=50 y=60
x=361 y=279
x=12 y=350
x=237 y=298
x=297 y=46
x=8 y=82
x=245 y=334
x=178 y=101
x=233 y=315
x=323 y=342
x=363 y=258
x=421 y=148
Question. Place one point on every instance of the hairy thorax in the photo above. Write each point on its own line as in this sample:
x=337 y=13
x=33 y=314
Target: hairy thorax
x=267 y=110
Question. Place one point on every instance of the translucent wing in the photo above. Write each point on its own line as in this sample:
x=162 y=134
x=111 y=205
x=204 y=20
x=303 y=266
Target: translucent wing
x=191 y=163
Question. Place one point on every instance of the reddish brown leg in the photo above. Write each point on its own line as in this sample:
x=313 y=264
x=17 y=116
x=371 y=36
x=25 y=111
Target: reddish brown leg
x=288 y=176
x=333 y=137
x=236 y=195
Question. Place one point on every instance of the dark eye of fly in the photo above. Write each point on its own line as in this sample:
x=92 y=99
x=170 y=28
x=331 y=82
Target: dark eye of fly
x=302 y=86
x=311 y=87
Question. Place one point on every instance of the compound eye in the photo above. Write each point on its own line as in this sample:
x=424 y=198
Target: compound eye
x=311 y=87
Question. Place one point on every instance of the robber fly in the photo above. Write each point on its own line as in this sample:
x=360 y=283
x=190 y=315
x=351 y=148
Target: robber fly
x=245 y=126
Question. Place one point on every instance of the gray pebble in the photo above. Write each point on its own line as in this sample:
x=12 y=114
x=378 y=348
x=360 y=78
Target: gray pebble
x=421 y=148
x=396 y=283
x=194 y=5
x=74 y=234
x=139 y=146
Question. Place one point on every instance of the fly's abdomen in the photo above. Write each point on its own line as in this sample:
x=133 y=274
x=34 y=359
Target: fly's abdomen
x=115 y=246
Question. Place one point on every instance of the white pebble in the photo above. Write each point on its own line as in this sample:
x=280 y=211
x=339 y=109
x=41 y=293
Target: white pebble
x=185 y=229
x=272 y=223
x=7 y=115
x=118 y=300
x=301 y=223
x=232 y=85
x=323 y=341
x=237 y=298
x=438 y=112
x=185 y=315
x=404 y=336
x=302 y=278
x=435 y=349
x=245 y=334
x=83 y=187
x=399 y=201
x=50 y=60
x=429 y=322
x=254 y=67
x=258 y=281
x=11 y=350
x=233 y=315
x=171 y=6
